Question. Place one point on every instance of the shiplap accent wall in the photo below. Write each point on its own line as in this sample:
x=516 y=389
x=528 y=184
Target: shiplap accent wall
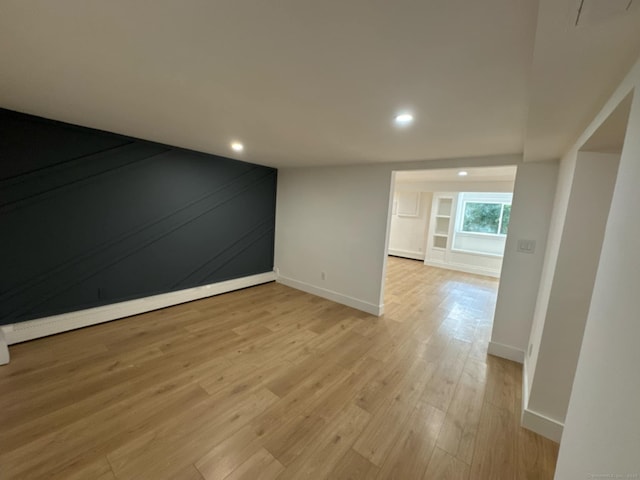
x=90 y=218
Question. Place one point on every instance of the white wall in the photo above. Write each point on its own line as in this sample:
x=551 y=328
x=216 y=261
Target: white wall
x=334 y=220
x=559 y=212
x=602 y=428
x=551 y=377
x=408 y=235
x=530 y=215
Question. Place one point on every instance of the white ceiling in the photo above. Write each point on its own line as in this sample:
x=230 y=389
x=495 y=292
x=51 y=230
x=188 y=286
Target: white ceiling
x=303 y=82
x=575 y=70
x=485 y=174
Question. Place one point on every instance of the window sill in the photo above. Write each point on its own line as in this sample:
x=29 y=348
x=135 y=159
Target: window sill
x=480 y=234
x=473 y=252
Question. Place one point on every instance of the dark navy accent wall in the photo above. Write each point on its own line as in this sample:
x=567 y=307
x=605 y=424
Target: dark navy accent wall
x=89 y=218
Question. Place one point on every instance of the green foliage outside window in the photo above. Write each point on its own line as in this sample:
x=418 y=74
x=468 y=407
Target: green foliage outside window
x=486 y=217
x=506 y=216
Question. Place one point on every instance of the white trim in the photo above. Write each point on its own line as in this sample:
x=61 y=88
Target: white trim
x=534 y=421
x=407 y=254
x=371 y=308
x=466 y=233
x=525 y=386
x=41 y=327
x=506 y=351
x=542 y=425
x=4 y=351
x=479 y=254
x=464 y=268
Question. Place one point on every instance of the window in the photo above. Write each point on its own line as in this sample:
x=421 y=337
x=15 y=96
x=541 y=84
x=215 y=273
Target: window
x=486 y=217
x=482 y=222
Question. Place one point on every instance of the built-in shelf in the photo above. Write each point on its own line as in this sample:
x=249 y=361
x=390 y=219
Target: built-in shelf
x=440 y=241
x=444 y=206
x=441 y=226
x=441 y=223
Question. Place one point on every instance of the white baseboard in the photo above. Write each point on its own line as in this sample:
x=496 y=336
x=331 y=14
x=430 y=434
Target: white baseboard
x=41 y=327
x=505 y=351
x=4 y=350
x=407 y=254
x=534 y=421
x=542 y=425
x=333 y=296
x=487 y=272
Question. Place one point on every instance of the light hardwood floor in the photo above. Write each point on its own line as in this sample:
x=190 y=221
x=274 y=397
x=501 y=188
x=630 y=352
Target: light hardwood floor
x=270 y=382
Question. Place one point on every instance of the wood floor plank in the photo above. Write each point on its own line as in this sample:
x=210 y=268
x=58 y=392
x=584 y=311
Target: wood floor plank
x=457 y=436
x=303 y=399
x=441 y=387
x=271 y=382
x=241 y=378
x=290 y=439
x=260 y=466
x=229 y=454
x=502 y=379
x=536 y=456
x=332 y=444
x=190 y=472
x=94 y=468
x=443 y=466
x=353 y=466
x=184 y=440
x=388 y=423
x=411 y=452
x=106 y=428
x=494 y=455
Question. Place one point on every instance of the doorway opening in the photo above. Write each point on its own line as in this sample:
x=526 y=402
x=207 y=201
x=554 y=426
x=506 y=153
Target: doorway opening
x=445 y=244
x=457 y=219
x=446 y=240
x=585 y=200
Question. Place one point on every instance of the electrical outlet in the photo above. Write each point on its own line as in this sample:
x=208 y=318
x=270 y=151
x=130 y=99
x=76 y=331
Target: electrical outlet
x=323 y=275
x=277 y=270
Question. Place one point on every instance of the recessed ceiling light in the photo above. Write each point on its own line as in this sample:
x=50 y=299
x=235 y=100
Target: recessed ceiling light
x=462 y=173
x=403 y=119
x=237 y=147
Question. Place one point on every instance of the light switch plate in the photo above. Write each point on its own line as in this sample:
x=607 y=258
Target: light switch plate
x=526 y=246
